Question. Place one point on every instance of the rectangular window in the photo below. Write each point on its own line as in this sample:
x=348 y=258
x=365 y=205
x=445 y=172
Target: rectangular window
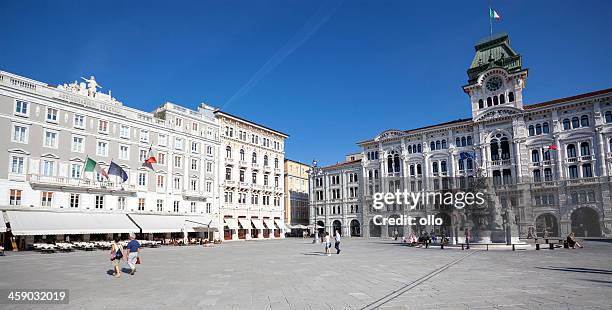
x=20 y=134
x=120 y=203
x=75 y=171
x=79 y=121
x=194 y=126
x=78 y=144
x=102 y=148
x=209 y=150
x=193 y=184
x=99 y=202
x=208 y=167
x=178 y=161
x=124 y=152
x=176 y=206
x=141 y=204
x=143 y=155
x=160 y=205
x=50 y=139
x=194 y=164
x=177 y=183
x=75 y=200
x=195 y=147
x=142 y=179
x=48 y=168
x=47 y=197
x=51 y=115
x=124 y=131
x=161 y=182
x=102 y=126
x=144 y=136
x=161 y=158
x=179 y=122
x=193 y=207
x=22 y=108
x=163 y=140
x=208 y=187
x=178 y=143
x=208 y=207
x=17 y=165
x=15 y=197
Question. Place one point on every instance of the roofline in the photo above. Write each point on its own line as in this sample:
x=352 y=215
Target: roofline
x=411 y=131
x=297 y=162
x=250 y=122
x=342 y=164
x=566 y=99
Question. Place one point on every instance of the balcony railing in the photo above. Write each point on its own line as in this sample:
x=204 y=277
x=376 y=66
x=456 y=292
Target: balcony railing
x=501 y=162
x=229 y=183
x=84 y=184
x=582 y=181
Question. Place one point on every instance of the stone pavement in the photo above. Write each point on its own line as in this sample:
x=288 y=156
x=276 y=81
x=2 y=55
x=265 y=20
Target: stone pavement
x=294 y=274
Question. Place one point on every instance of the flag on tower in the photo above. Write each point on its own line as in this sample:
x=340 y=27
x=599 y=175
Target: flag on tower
x=552 y=147
x=91 y=166
x=493 y=14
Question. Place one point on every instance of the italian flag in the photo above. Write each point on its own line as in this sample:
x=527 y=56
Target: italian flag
x=493 y=14
x=91 y=166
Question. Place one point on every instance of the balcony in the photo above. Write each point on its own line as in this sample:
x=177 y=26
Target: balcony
x=189 y=194
x=501 y=162
x=277 y=170
x=255 y=166
x=229 y=183
x=229 y=160
x=582 y=181
x=80 y=185
x=545 y=184
x=242 y=163
x=267 y=168
x=587 y=157
x=243 y=184
x=256 y=187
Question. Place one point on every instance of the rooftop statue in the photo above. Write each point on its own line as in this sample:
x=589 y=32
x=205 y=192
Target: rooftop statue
x=92 y=85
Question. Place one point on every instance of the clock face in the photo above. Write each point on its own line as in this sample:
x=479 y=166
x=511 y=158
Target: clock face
x=494 y=83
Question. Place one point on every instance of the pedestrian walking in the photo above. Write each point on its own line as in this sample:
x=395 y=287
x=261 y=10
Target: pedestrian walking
x=337 y=244
x=133 y=249
x=327 y=242
x=116 y=254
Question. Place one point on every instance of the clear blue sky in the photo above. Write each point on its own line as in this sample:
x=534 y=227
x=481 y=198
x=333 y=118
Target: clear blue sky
x=328 y=73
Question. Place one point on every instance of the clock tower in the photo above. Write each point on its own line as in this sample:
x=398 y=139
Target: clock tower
x=495 y=78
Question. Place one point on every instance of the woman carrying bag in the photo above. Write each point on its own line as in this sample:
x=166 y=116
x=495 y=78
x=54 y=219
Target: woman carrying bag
x=116 y=254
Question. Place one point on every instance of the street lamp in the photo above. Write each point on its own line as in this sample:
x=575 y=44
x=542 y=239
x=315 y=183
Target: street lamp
x=313 y=172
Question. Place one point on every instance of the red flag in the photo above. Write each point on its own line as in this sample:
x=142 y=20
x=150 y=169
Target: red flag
x=150 y=158
x=552 y=147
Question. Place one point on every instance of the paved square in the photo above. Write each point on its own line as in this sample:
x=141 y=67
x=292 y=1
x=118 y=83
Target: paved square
x=293 y=274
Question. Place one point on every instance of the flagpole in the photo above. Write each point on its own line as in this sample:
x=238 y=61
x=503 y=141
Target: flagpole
x=83 y=171
x=490 y=21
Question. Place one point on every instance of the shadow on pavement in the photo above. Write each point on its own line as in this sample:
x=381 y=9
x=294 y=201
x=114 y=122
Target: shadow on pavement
x=581 y=270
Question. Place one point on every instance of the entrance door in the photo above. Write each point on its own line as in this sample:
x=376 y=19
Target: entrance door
x=585 y=223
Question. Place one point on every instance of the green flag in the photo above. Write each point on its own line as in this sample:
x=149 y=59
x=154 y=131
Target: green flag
x=90 y=165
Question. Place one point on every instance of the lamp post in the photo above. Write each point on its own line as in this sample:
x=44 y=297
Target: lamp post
x=315 y=170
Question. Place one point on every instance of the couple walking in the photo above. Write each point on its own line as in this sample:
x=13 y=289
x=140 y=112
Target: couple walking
x=116 y=255
x=328 y=243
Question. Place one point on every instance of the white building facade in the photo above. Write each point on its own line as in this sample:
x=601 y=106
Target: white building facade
x=252 y=170
x=550 y=162
x=51 y=131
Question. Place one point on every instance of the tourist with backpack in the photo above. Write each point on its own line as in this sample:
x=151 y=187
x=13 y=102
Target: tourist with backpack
x=116 y=255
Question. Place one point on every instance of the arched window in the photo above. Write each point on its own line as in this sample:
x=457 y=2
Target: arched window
x=571 y=151
x=410 y=149
x=535 y=156
x=505 y=148
x=265 y=160
x=419 y=170
x=443 y=166
x=469 y=163
x=469 y=140
x=494 y=150
x=610 y=145
x=538 y=129
x=573 y=172
x=480 y=104
x=438 y=145
x=457 y=142
x=369 y=158
x=228 y=152
x=566 y=124
x=531 y=130
x=511 y=97
x=389 y=164
x=254 y=158
x=411 y=169
x=545 y=128
x=537 y=177
x=276 y=163
x=587 y=171
x=502 y=99
x=575 y=122
x=495 y=100
x=396 y=163
x=443 y=144
x=547 y=155
x=434 y=167
x=461 y=165
x=584 y=121
x=585 y=149
x=608 y=116
x=242 y=154
x=489 y=102
x=432 y=145
x=419 y=149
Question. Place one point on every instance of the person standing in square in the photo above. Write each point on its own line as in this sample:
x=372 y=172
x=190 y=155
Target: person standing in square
x=133 y=248
x=337 y=244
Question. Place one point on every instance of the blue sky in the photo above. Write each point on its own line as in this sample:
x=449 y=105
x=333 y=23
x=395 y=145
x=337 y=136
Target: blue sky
x=328 y=73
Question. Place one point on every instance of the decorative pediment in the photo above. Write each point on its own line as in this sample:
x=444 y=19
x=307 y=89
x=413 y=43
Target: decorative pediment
x=19 y=151
x=387 y=134
x=498 y=113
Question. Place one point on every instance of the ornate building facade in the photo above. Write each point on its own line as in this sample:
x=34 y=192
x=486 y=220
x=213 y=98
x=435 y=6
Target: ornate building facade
x=549 y=162
x=54 y=132
x=296 y=193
